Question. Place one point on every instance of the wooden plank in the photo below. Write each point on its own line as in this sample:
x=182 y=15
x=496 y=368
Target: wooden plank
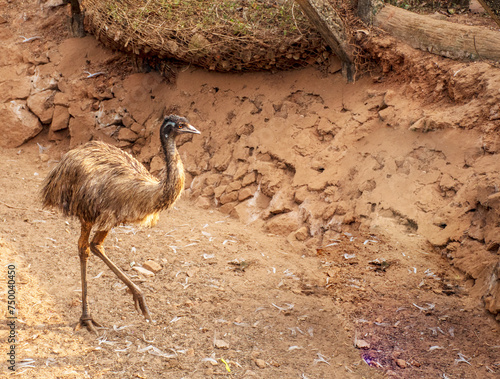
x=439 y=37
x=331 y=27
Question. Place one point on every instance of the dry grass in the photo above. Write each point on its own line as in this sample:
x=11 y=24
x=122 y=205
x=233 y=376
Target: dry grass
x=220 y=35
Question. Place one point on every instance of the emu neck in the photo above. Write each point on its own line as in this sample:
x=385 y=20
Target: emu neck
x=173 y=181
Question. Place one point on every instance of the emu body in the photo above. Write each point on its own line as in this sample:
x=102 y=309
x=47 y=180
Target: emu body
x=103 y=187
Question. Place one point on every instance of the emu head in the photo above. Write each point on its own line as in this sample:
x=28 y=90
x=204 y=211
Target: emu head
x=173 y=125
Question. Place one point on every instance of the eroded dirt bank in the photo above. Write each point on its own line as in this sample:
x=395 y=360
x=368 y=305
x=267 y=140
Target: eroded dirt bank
x=356 y=178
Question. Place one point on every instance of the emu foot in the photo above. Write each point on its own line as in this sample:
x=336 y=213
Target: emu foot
x=140 y=305
x=89 y=323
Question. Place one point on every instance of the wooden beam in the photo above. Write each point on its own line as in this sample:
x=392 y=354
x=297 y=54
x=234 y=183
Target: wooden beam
x=331 y=27
x=439 y=37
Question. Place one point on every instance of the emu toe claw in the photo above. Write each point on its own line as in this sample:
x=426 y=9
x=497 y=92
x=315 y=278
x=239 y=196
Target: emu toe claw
x=89 y=323
x=140 y=305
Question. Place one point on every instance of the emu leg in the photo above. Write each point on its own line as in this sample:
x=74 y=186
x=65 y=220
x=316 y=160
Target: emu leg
x=139 y=300
x=83 y=249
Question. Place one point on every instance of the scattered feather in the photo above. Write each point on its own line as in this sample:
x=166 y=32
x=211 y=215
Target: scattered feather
x=29 y=39
x=321 y=359
x=282 y=309
x=124 y=349
x=118 y=328
x=175 y=319
x=430 y=307
x=147 y=341
x=90 y=75
x=155 y=351
x=461 y=358
x=213 y=361
x=25 y=363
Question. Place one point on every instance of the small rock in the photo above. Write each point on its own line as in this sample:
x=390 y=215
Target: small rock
x=221 y=344
x=143 y=271
x=283 y=224
x=419 y=125
x=218 y=191
x=228 y=208
x=192 y=271
x=233 y=186
x=152 y=266
x=17 y=124
x=61 y=98
x=245 y=193
x=249 y=179
x=127 y=135
x=302 y=234
x=386 y=114
x=301 y=194
x=136 y=127
x=390 y=98
x=229 y=197
x=60 y=119
x=260 y=363
x=241 y=171
x=281 y=202
x=128 y=121
x=208 y=191
x=41 y=105
x=362 y=344
x=401 y=363
x=80 y=129
x=203 y=203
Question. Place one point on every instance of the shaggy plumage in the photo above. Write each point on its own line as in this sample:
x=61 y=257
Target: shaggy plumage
x=104 y=187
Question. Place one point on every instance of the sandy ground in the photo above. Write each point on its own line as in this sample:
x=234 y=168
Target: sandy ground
x=329 y=272
x=222 y=280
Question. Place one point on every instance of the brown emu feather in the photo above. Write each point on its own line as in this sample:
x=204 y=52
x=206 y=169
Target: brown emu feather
x=104 y=187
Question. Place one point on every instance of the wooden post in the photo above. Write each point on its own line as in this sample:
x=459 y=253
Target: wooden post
x=331 y=27
x=76 y=22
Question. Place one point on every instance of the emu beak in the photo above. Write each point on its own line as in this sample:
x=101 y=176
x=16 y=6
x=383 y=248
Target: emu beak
x=190 y=129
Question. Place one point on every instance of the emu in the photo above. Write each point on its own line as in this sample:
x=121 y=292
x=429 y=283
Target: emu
x=103 y=187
